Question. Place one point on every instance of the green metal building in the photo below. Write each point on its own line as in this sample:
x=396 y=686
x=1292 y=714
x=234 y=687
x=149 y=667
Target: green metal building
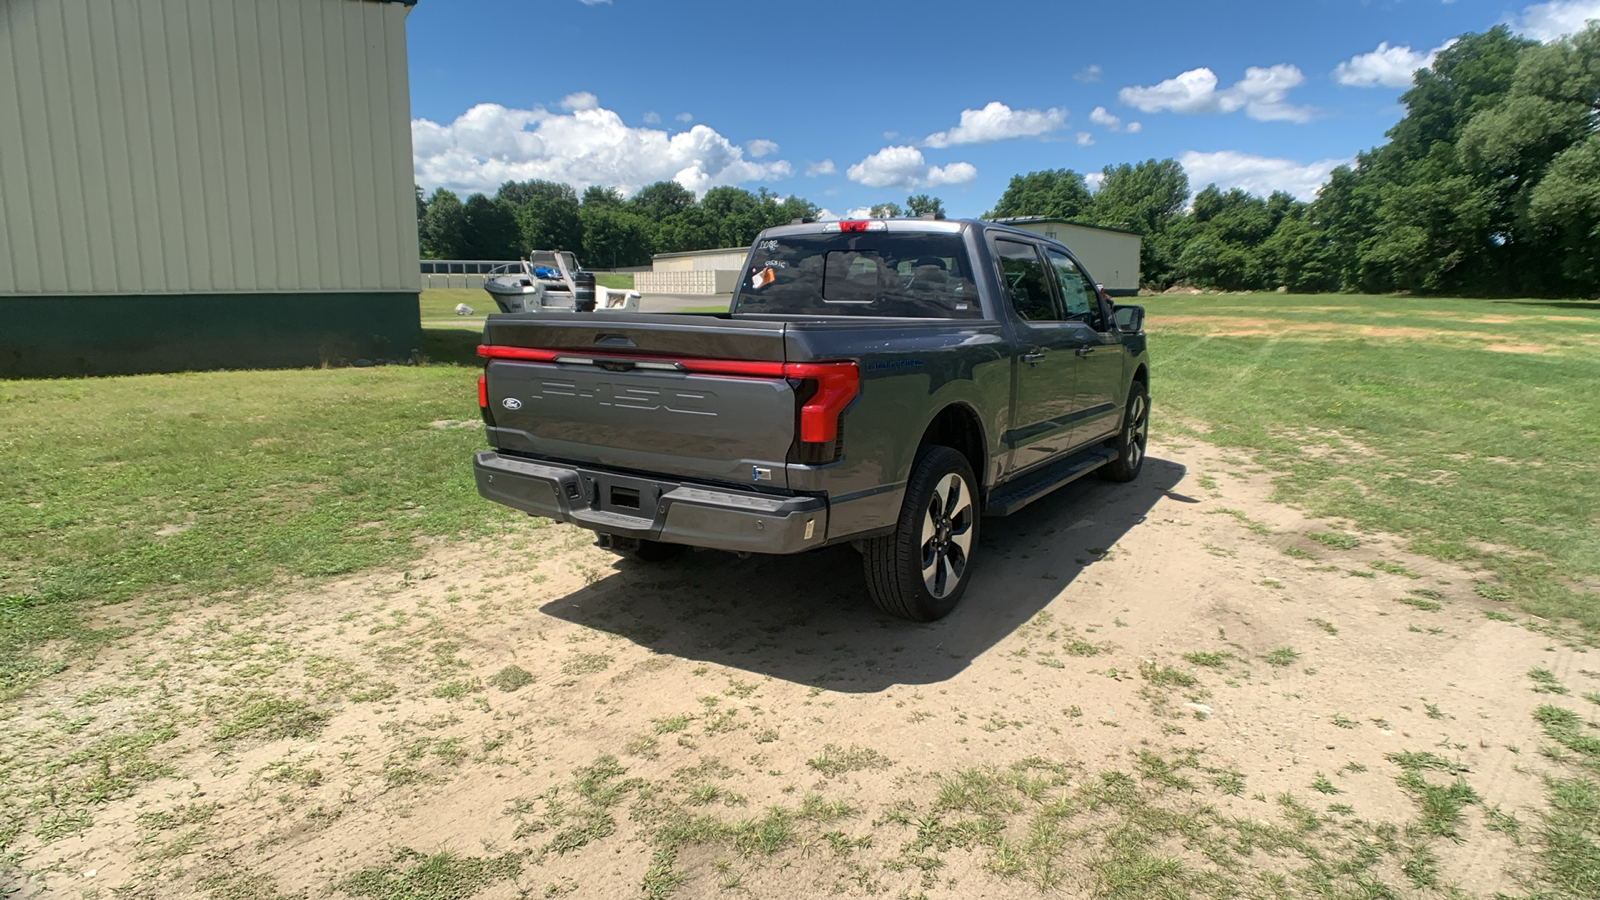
x=190 y=184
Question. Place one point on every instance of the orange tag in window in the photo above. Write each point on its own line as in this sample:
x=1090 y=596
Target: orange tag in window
x=763 y=278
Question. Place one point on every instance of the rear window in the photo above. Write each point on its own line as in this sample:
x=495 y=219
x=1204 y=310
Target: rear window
x=861 y=274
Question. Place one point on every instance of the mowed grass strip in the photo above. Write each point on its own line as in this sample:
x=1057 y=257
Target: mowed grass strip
x=193 y=486
x=1475 y=449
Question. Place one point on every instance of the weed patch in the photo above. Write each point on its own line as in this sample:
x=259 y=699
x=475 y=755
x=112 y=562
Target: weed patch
x=274 y=718
x=1283 y=656
x=410 y=875
x=833 y=761
x=511 y=678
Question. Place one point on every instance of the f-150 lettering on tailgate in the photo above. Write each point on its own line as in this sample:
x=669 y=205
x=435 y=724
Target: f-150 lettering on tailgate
x=606 y=394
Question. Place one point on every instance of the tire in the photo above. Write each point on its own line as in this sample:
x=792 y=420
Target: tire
x=921 y=571
x=1131 y=439
x=657 y=551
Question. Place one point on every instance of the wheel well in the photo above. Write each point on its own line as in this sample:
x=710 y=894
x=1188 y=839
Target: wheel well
x=1142 y=374
x=958 y=428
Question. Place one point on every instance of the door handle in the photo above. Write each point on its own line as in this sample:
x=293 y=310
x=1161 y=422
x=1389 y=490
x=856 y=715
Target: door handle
x=1083 y=351
x=1032 y=357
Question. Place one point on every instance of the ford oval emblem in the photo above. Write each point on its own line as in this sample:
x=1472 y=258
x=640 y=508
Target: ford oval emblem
x=511 y=403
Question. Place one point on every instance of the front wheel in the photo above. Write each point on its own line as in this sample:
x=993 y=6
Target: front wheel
x=1130 y=441
x=921 y=571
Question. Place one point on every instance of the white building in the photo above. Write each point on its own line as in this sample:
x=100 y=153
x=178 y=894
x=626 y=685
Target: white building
x=1110 y=254
x=693 y=272
x=204 y=183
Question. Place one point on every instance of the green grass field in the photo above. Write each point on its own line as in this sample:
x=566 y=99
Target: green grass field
x=1429 y=418
x=1468 y=426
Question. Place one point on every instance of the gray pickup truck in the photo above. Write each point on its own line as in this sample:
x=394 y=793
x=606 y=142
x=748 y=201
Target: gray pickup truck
x=885 y=383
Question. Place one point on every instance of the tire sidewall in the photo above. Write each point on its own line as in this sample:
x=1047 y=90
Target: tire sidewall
x=1120 y=470
x=931 y=466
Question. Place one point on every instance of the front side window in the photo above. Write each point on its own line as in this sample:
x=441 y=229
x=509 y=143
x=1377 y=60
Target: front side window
x=860 y=274
x=1026 y=283
x=1078 y=295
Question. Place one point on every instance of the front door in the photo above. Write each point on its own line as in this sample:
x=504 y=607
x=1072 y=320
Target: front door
x=1041 y=418
x=1099 y=353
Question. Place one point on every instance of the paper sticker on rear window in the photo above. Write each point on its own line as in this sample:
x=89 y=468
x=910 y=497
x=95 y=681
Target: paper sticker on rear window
x=763 y=278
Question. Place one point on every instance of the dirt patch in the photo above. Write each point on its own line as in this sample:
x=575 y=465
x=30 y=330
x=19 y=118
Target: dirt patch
x=1224 y=326
x=564 y=723
x=1516 y=348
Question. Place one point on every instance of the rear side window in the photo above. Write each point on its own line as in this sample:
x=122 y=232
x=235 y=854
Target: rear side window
x=1025 y=281
x=860 y=274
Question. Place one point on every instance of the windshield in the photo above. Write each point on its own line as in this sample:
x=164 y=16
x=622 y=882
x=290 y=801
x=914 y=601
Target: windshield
x=860 y=274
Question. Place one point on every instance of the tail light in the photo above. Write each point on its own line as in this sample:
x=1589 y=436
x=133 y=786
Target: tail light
x=836 y=384
x=483 y=400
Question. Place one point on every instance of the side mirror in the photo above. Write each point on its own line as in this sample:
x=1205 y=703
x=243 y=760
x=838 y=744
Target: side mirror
x=1129 y=319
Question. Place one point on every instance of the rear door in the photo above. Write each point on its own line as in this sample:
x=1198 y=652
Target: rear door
x=1041 y=425
x=700 y=401
x=1098 y=351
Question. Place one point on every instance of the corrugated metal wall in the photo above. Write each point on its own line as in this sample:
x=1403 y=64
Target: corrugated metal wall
x=204 y=146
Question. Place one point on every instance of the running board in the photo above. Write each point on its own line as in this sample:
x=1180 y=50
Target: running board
x=1008 y=498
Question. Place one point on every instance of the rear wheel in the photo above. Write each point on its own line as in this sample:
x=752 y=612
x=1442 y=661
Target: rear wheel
x=921 y=571
x=1130 y=441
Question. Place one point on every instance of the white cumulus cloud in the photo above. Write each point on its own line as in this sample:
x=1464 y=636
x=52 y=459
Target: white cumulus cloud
x=684 y=117
x=904 y=167
x=1261 y=93
x=579 y=100
x=820 y=168
x=1100 y=116
x=1387 y=66
x=997 y=122
x=652 y=118
x=1549 y=21
x=1088 y=74
x=1258 y=174
x=491 y=144
x=1094 y=180
x=1085 y=139
x=761 y=147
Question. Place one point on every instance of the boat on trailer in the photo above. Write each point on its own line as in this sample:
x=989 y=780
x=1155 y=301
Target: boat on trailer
x=552 y=281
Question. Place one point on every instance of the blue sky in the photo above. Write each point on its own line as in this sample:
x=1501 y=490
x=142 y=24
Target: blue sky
x=854 y=103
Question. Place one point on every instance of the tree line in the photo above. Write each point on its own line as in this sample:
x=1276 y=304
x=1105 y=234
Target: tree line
x=604 y=229
x=1489 y=185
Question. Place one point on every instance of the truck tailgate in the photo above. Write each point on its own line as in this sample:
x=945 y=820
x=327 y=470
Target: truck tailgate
x=632 y=393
